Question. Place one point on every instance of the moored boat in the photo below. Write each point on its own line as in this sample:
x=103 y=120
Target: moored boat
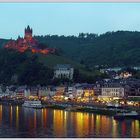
x=129 y=115
x=110 y=105
x=32 y=104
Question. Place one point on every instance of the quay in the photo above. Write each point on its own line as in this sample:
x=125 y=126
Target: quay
x=76 y=107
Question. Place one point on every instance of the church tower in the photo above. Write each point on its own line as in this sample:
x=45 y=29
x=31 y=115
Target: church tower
x=28 y=34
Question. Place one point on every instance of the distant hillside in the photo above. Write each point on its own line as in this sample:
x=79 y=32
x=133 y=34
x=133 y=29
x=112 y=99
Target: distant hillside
x=121 y=48
x=51 y=60
x=35 y=68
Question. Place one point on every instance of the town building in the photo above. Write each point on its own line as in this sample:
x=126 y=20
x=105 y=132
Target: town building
x=51 y=90
x=97 y=90
x=69 y=90
x=42 y=91
x=88 y=93
x=60 y=90
x=27 y=93
x=84 y=92
x=113 y=91
x=63 y=71
x=125 y=75
x=20 y=93
x=132 y=88
x=34 y=91
x=79 y=92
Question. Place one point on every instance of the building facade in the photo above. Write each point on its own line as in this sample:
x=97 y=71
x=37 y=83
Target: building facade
x=63 y=71
x=112 y=91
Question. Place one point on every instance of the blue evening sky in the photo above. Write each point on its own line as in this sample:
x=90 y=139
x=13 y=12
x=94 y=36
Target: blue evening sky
x=67 y=18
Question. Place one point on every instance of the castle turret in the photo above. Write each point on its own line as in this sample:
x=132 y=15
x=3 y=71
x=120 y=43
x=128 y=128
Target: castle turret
x=28 y=34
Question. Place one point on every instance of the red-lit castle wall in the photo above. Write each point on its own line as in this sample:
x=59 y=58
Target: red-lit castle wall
x=28 y=42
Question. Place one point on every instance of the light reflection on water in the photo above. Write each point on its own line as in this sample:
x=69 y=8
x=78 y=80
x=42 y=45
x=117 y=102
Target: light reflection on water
x=0 y=114
x=16 y=121
x=114 y=128
x=17 y=117
x=135 y=128
x=11 y=115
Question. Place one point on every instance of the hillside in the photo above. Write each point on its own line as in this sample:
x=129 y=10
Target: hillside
x=121 y=48
x=35 y=68
x=51 y=60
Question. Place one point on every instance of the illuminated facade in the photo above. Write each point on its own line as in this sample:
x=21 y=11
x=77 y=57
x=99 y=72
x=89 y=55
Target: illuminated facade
x=88 y=92
x=27 y=43
x=60 y=90
x=79 y=92
x=125 y=75
x=112 y=91
x=28 y=34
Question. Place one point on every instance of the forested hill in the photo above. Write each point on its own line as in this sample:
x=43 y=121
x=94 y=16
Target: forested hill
x=3 y=41
x=121 y=48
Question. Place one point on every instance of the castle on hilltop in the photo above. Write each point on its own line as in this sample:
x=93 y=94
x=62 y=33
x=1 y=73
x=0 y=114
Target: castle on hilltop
x=28 y=34
x=28 y=43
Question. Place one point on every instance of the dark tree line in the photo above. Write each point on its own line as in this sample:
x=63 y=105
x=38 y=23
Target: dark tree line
x=111 y=49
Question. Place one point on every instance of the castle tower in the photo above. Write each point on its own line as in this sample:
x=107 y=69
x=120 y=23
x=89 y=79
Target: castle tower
x=28 y=34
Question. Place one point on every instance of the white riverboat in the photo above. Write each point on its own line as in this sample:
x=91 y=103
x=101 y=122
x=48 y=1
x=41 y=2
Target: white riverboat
x=116 y=105
x=32 y=104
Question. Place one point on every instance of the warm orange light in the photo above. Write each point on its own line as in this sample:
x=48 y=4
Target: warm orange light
x=22 y=44
x=0 y=113
x=17 y=117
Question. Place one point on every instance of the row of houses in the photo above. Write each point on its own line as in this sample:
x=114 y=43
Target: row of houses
x=93 y=91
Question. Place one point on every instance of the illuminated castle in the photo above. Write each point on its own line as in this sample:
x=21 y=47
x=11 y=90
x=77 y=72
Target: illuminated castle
x=28 y=42
x=28 y=34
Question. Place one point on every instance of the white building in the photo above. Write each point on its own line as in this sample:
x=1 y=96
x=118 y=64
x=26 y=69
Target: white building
x=63 y=71
x=69 y=90
x=112 y=91
x=27 y=93
x=79 y=92
x=42 y=92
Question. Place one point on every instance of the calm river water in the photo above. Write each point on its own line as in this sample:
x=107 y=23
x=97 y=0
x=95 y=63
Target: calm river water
x=16 y=121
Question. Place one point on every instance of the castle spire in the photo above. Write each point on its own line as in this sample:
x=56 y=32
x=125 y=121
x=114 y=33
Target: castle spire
x=28 y=27
x=28 y=33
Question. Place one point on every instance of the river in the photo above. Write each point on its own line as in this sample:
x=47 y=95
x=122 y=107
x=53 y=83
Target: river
x=17 y=121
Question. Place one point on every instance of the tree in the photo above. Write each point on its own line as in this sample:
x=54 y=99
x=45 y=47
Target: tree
x=42 y=46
